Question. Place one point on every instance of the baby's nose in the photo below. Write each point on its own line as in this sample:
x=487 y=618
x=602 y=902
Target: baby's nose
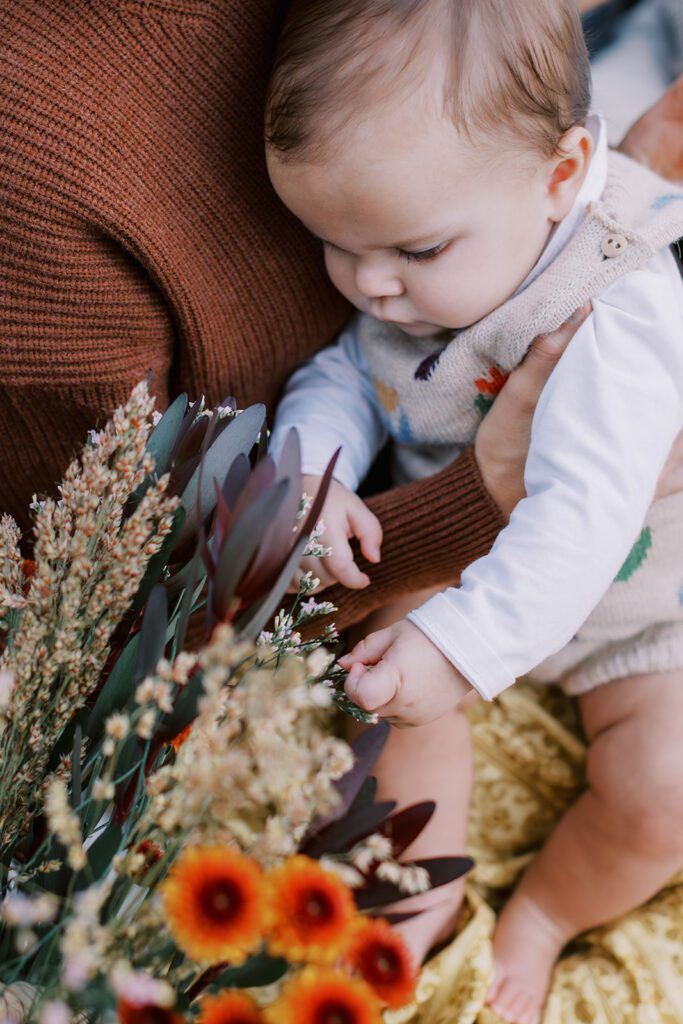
x=376 y=280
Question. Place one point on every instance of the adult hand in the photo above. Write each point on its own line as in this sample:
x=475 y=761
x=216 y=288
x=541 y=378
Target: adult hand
x=502 y=442
x=656 y=139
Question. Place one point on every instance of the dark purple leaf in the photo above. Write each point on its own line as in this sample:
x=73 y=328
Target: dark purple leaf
x=341 y=835
x=405 y=826
x=278 y=537
x=240 y=546
x=366 y=749
x=377 y=893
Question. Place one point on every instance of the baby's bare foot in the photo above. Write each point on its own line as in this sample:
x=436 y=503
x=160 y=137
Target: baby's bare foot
x=526 y=945
x=437 y=922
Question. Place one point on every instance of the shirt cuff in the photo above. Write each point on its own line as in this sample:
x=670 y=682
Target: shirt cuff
x=316 y=454
x=459 y=641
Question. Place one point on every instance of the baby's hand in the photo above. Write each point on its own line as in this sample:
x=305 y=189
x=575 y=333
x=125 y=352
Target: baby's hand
x=401 y=675
x=345 y=515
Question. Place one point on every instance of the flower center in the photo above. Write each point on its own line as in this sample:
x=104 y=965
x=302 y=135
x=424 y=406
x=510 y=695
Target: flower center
x=386 y=962
x=318 y=907
x=333 y=1012
x=152 y=1015
x=221 y=900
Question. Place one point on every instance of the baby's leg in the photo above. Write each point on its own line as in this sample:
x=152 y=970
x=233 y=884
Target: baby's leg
x=429 y=762
x=613 y=849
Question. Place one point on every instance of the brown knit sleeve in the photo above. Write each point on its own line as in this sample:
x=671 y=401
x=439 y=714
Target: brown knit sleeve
x=433 y=529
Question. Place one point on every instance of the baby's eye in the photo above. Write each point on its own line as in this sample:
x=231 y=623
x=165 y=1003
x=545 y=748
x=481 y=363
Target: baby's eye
x=425 y=254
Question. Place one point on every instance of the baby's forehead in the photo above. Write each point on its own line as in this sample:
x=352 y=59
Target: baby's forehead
x=491 y=66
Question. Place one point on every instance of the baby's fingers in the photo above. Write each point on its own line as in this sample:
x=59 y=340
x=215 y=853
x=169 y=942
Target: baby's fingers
x=372 y=688
x=366 y=527
x=341 y=566
x=369 y=650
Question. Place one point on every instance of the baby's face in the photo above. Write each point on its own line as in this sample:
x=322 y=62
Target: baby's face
x=420 y=227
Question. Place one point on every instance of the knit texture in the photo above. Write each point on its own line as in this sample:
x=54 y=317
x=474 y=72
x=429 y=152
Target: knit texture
x=139 y=231
x=433 y=392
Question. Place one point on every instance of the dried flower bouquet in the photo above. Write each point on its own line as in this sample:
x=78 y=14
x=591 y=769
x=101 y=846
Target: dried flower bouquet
x=180 y=825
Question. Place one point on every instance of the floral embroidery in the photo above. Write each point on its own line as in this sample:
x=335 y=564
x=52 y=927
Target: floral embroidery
x=488 y=387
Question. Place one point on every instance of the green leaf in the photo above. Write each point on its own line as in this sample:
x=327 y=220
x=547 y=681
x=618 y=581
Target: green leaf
x=163 y=437
x=76 y=793
x=190 y=595
x=100 y=855
x=152 y=641
x=259 y=970
x=116 y=691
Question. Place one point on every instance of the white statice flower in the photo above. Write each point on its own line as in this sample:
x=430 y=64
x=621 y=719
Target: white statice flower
x=304 y=505
x=312 y=607
x=345 y=872
x=6 y=687
x=409 y=878
x=54 y=1011
x=144 y=693
x=117 y=726
x=21 y=910
x=139 y=988
x=103 y=789
x=145 y=724
x=380 y=846
x=156 y=417
x=308 y=583
x=265 y=638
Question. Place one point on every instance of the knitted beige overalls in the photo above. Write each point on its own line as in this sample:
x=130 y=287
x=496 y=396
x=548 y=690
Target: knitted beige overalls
x=435 y=390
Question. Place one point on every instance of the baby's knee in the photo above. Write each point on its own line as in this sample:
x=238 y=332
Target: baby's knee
x=643 y=788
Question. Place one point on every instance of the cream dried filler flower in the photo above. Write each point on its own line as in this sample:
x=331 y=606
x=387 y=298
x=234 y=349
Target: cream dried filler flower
x=90 y=556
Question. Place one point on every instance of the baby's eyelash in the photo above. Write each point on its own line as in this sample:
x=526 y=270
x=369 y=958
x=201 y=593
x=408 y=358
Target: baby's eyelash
x=425 y=255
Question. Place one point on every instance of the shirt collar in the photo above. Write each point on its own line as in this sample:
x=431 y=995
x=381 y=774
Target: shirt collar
x=591 y=189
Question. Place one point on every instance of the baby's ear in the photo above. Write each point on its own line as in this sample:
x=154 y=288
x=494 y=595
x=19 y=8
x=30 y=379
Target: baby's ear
x=567 y=170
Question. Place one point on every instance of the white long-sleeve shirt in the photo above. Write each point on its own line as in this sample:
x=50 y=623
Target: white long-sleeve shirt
x=603 y=427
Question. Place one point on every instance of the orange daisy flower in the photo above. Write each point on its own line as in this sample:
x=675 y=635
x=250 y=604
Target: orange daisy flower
x=324 y=996
x=147 y=1014
x=381 y=956
x=314 y=912
x=229 y=1008
x=215 y=902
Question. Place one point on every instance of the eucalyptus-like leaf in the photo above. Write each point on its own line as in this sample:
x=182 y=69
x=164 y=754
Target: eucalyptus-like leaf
x=241 y=545
x=165 y=434
x=239 y=437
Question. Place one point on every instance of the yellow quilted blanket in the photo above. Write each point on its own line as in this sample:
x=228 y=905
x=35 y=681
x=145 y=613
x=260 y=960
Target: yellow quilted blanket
x=529 y=768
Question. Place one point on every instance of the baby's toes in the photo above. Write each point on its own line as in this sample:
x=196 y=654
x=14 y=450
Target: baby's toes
x=513 y=1003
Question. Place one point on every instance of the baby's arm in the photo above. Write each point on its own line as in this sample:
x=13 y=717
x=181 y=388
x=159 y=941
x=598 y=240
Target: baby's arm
x=332 y=403
x=603 y=428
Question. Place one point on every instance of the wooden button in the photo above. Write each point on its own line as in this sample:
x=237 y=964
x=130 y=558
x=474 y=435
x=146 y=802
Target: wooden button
x=614 y=245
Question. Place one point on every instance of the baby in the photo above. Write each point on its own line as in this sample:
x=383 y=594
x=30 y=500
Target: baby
x=443 y=152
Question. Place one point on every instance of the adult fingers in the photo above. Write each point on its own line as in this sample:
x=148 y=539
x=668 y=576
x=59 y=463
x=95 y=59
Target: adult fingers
x=671 y=478
x=527 y=382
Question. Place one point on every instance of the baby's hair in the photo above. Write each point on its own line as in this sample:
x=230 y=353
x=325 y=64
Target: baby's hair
x=517 y=68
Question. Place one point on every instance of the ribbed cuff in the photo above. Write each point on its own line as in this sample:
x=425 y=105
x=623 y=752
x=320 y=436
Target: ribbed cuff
x=433 y=529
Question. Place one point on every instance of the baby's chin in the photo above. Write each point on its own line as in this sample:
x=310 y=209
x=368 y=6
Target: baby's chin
x=419 y=329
